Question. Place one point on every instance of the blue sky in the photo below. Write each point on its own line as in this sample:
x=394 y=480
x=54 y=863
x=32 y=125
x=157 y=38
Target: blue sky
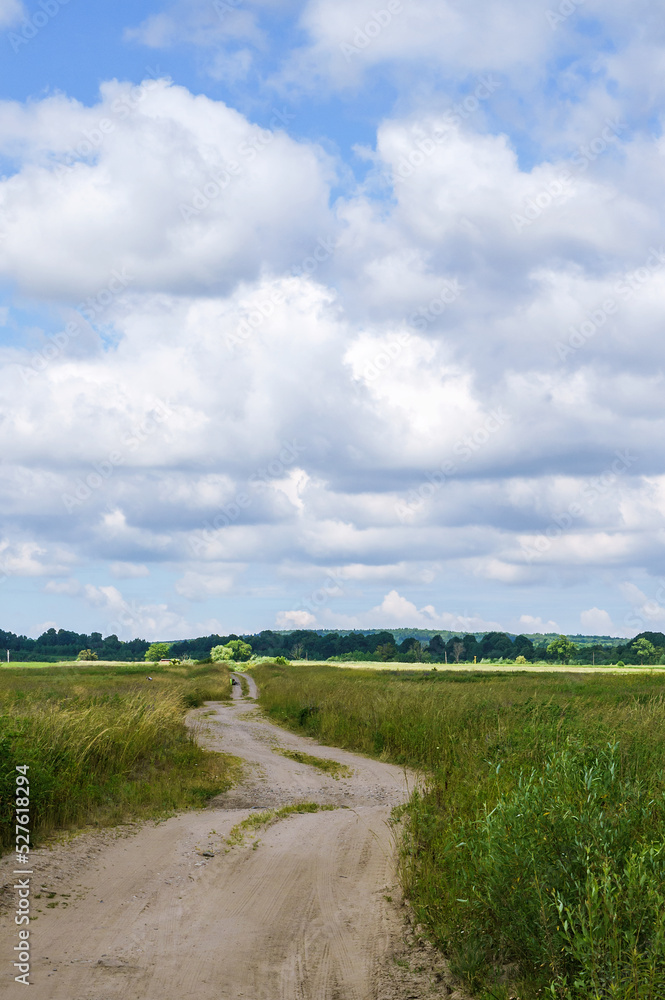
x=321 y=313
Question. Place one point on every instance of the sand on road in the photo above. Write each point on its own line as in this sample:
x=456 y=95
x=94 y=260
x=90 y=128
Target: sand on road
x=172 y=912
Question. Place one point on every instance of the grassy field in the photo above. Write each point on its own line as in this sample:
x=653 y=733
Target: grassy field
x=500 y=668
x=536 y=858
x=104 y=744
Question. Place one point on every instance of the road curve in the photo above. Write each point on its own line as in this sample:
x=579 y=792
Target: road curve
x=173 y=912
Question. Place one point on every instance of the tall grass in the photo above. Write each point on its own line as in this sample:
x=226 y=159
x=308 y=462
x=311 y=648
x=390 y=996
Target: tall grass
x=536 y=857
x=105 y=744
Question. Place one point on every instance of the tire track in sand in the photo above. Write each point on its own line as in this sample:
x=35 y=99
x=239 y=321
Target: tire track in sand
x=299 y=916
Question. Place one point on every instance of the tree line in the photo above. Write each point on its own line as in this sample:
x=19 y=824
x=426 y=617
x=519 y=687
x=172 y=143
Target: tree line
x=385 y=646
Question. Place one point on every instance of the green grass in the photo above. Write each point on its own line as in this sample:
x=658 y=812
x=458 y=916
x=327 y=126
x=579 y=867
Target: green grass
x=536 y=857
x=331 y=767
x=244 y=686
x=258 y=821
x=104 y=744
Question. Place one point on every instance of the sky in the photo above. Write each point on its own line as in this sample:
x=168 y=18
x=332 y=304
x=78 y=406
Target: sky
x=332 y=314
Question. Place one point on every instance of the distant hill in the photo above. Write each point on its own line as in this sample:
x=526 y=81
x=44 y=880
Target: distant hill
x=424 y=635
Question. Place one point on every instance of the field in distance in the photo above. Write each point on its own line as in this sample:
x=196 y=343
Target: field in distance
x=488 y=668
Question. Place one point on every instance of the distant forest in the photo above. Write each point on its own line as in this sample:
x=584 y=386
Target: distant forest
x=393 y=644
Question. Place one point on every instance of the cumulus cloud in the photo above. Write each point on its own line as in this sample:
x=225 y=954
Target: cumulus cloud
x=208 y=198
x=531 y=624
x=295 y=619
x=28 y=558
x=396 y=611
x=647 y=611
x=597 y=622
x=245 y=360
x=129 y=618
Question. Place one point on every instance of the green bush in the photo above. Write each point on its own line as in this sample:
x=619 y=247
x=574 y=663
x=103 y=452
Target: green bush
x=235 y=650
x=564 y=872
x=87 y=654
x=157 y=651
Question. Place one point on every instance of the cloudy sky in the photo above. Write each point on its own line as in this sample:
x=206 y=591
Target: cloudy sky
x=327 y=313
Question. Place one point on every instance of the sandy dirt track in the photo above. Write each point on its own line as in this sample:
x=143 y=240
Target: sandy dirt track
x=171 y=912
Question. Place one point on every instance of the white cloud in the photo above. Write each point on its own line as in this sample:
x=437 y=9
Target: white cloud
x=129 y=618
x=396 y=611
x=647 y=613
x=128 y=570
x=531 y=624
x=597 y=622
x=295 y=619
x=347 y=37
x=208 y=198
x=33 y=559
x=474 y=424
x=201 y=23
x=38 y=629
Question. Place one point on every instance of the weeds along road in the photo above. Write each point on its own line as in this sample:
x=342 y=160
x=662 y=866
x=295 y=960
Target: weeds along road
x=175 y=912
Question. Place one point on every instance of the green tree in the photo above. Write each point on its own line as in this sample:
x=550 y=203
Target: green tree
x=386 y=651
x=235 y=650
x=87 y=654
x=158 y=651
x=644 y=649
x=416 y=651
x=562 y=648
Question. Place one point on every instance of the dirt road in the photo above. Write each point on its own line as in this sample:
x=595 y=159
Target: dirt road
x=173 y=912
